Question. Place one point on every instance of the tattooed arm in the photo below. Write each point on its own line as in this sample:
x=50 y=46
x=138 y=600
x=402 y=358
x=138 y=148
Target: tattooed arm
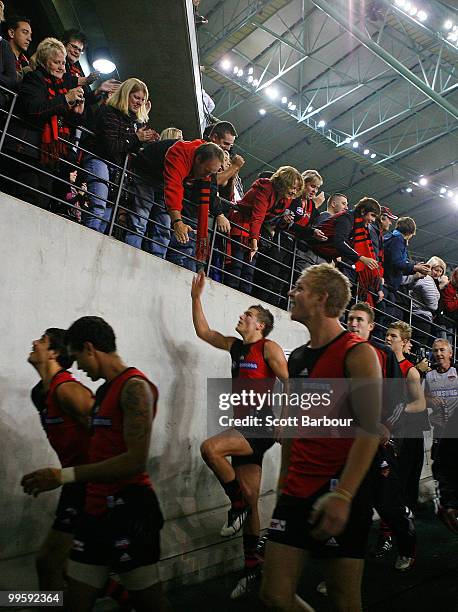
x=137 y=404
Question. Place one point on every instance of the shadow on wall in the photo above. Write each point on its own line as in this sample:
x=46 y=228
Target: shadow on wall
x=24 y=519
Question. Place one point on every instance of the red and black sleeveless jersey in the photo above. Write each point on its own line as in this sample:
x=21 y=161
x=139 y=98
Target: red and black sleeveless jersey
x=313 y=461
x=249 y=364
x=405 y=366
x=68 y=438
x=108 y=439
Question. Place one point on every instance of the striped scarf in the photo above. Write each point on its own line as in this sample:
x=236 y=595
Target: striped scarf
x=203 y=193
x=369 y=280
x=75 y=69
x=21 y=63
x=51 y=147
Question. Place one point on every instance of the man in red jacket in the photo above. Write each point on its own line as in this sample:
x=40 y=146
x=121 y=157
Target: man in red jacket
x=190 y=191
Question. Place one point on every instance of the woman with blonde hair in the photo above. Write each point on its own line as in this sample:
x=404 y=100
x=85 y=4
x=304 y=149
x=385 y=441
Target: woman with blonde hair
x=260 y=210
x=425 y=293
x=52 y=103
x=120 y=130
x=171 y=133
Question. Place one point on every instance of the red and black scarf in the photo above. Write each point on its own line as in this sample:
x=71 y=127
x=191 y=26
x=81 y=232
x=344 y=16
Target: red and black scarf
x=21 y=63
x=75 y=69
x=369 y=280
x=203 y=193
x=54 y=130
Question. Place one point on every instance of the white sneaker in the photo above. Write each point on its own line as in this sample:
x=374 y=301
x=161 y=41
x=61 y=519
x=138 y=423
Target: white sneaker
x=404 y=563
x=246 y=583
x=235 y=520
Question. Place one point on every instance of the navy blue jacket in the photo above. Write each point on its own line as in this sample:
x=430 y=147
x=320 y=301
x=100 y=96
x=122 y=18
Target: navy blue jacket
x=397 y=262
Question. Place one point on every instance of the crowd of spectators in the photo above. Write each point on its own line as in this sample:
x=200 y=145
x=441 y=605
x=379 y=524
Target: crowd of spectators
x=72 y=138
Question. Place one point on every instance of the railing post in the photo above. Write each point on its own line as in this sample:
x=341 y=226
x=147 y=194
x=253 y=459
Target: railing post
x=410 y=311
x=7 y=122
x=291 y=277
x=118 y=196
x=212 y=246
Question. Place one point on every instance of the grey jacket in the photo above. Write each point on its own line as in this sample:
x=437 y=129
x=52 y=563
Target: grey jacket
x=425 y=291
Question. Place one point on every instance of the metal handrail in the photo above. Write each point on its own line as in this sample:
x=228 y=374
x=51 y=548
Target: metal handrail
x=122 y=188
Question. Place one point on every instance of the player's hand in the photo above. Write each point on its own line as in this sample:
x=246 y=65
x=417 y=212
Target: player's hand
x=198 y=284
x=449 y=516
x=45 y=479
x=329 y=516
x=181 y=231
x=384 y=433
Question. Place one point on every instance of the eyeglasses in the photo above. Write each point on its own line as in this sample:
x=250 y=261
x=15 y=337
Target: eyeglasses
x=80 y=50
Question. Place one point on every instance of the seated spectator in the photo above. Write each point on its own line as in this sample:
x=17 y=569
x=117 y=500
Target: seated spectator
x=191 y=195
x=120 y=130
x=397 y=264
x=425 y=294
x=449 y=295
x=51 y=106
x=171 y=133
x=263 y=205
x=19 y=32
x=336 y=202
x=8 y=77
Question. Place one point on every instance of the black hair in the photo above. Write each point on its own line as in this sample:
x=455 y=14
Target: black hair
x=94 y=330
x=12 y=23
x=220 y=128
x=57 y=343
x=74 y=34
x=264 y=316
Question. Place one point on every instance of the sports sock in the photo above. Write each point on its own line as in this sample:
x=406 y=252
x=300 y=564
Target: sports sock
x=234 y=492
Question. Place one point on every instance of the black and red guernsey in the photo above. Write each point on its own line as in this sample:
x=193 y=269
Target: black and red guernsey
x=405 y=366
x=313 y=461
x=108 y=439
x=68 y=438
x=248 y=363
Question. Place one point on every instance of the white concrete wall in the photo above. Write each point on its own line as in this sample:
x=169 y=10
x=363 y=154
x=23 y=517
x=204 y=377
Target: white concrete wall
x=52 y=272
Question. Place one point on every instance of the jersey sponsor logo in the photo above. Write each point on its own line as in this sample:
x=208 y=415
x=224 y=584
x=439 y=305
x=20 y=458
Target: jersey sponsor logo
x=249 y=365
x=101 y=422
x=122 y=543
x=278 y=525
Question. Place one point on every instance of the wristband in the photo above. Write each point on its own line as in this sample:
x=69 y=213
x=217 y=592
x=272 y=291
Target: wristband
x=67 y=475
x=343 y=493
x=176 y=221
x=340 y=496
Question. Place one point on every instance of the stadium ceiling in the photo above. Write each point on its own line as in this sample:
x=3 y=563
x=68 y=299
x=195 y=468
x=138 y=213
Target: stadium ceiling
x=365 y=91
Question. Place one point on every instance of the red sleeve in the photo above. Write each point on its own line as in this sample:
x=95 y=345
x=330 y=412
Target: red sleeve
x=177 y=166
x=261 y=203
x=449 y=298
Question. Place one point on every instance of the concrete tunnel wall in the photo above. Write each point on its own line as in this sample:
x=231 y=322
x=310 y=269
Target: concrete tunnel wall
x=54 y=271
